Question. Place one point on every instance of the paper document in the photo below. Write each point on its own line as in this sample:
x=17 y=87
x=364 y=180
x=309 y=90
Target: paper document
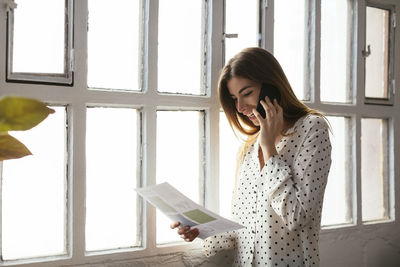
x=178 y=207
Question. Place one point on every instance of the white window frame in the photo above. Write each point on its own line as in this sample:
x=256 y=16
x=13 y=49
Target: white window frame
x=391 y=79
x=44 y=78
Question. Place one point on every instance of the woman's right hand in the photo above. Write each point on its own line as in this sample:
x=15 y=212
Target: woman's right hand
x=185 y=232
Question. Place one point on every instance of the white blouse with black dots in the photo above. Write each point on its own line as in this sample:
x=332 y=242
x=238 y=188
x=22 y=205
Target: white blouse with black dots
x=281 y=204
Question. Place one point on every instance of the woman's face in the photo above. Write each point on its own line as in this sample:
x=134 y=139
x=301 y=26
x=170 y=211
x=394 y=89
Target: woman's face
x=245 y=93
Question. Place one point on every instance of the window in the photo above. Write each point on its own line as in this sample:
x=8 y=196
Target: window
x=228 y=146
x=183 y=46
x=178 y=138
x=134 y=90
x=337 y=37
x=111 y=173
x=379 y=80
x=39 y=42
x=35 y=193
x=375 y=169
x=290 y=49
x=139 y=112
x=242 y=26
x=115 y=59
x=338 y=206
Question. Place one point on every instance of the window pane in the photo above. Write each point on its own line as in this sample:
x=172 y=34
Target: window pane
x=289 y=49
x=111 y=176
x=39 y=35
x=374 y=169
x=228 y=149
x=335 y=50
x=376 y=64
x=34 y=193
x=178 y=159
x=242 y=18
x=113 y=44
x=337 y=201
x=180 y=46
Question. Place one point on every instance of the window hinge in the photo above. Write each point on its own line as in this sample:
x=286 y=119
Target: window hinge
x=72 y=59
x=394 y=86
x=394 y=20
x=265 y=3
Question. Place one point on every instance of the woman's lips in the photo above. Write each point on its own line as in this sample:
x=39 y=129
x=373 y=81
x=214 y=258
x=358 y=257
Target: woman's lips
x=252 y=117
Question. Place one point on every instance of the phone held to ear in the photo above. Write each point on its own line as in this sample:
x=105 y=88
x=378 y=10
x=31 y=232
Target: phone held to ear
x=272 y=92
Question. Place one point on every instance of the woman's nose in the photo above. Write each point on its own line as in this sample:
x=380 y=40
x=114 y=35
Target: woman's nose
x=240 y=106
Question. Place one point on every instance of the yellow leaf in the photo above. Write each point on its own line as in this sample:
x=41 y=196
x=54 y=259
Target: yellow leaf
x=11 y=148
x=19 y=113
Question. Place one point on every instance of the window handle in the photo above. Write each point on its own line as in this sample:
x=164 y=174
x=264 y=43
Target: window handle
x=366 y=53
x=231 y=35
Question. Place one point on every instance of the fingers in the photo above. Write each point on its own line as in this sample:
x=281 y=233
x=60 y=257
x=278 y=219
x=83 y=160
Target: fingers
x=174 y=225
x=183 y=229
x=189 y=236
x=269 y=107
x=185 y=232
x=258 y=115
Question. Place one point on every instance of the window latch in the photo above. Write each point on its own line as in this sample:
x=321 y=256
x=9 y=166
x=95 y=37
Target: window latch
x=365 y=54
x=231 y=35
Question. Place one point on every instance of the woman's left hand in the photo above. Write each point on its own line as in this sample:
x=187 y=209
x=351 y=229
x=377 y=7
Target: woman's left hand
x=270 y=127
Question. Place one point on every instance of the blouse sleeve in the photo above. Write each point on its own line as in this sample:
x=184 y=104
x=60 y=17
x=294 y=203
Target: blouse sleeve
x=214 y=244
x=296 y=192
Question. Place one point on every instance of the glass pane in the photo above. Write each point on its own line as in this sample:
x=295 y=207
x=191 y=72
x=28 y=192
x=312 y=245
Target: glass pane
x=337 y=200
x=39 y=36
x=242 y=18
x=376 y=64
x=228 y=149
x=111 y=176
x=374 y=169
x=180 y=46
x=34 y=193
x=178 y=159
x=289 y=49
x=335 y=50
x=113 y=45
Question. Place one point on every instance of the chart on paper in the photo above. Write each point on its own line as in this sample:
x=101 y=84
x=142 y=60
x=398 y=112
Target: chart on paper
x=178 y=207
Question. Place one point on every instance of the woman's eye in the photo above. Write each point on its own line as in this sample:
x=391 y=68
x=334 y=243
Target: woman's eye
x=249 y=93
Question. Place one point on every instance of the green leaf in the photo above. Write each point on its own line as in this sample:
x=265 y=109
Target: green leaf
x=11 y=148
x=19 y=113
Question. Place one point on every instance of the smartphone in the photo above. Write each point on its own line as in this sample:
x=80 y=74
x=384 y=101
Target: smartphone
x=272 y=92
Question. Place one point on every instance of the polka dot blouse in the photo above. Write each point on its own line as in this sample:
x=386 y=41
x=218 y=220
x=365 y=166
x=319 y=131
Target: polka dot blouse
x=281 y=204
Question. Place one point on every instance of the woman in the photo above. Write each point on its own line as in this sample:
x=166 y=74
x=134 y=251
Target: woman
x=282 y=168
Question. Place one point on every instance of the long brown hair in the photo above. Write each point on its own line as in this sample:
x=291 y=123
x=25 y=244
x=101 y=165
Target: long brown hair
x=258 y=65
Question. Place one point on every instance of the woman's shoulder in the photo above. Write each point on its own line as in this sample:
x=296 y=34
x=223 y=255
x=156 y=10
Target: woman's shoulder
x=313 y=119
x=309 y=121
